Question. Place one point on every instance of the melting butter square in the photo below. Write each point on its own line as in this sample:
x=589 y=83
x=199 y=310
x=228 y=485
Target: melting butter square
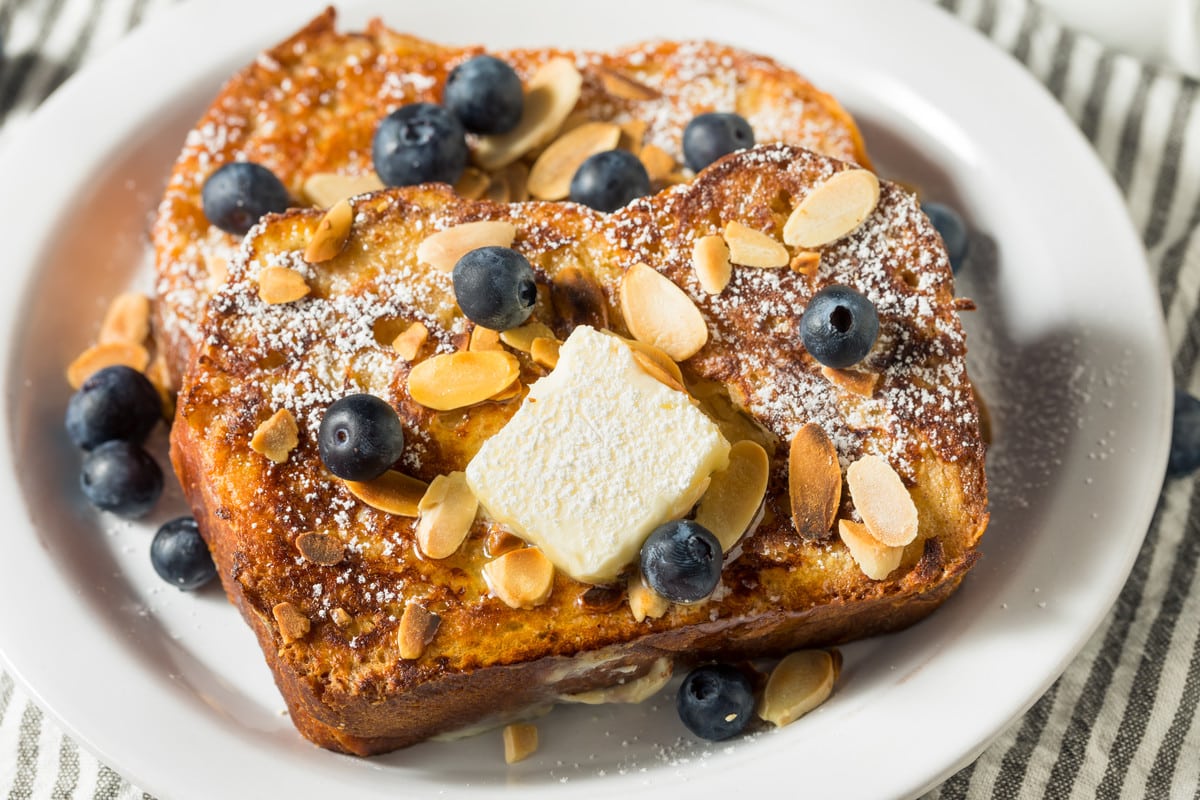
x=599 y=454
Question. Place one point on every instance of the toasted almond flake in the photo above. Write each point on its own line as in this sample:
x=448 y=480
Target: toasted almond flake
x=806 y=262
x=659 y=163
x=550 y=96
x=658 y=312
x=655 y=370
x=392 y=492
x=484 y=339
x=516 y=175
x=882 y=501
x=417 y=628
x=752 y=248
x=500 y=541
x=293 y=625
x=332 y=233
x=340 y=617
x=601 y=598
x=99 y=356
x=661 y=359
x=521 y=578
x=520 y=741
x=473 y=183
x=161 y=379
x=321 y=548
x=443 y=249
x=735 y=494
x=514 y=390
x=833 y=210
x=408 y=344
x=127 y=319
x=852 y=380
x=324 y=189
x=620 y=85
x=573 y=121
x=644 y=602
x=633 y=133
x=876 y=559
x=710 y=259
x=281 y=285
x=578 y=299
x=544 y=351
x=276 y=437
x=447 y=511
x=522 y=338
x=814 y=482
x=550 y=177
x=457 y=380
x=800 y=682
x=497 y=191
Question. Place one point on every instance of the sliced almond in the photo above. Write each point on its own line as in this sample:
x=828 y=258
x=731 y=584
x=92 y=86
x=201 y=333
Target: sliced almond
x=658 y=312
x=520 y=741
x=392 y=492
x=473 y=183
x=497 y=190
x=332 y=233
x=655 y=370
x=832 y=210
x=499 y=541
x=516 y=175
x=408 y=344
x=341 y=617
x=644 y=602
x=710 y=259
x=443 y=249
x=521 y=578
x=550 y=96
x=814 y=482
x=417 y=628
x=752 y=248
x=735 y=494
x=659 y=163
x=447 y=511
x=800 y=682
x=321 y=548
x=484 y=339
x=161 y=378
x=522 y=338
x=276 y=437
x=324 y=189
x=99 y=356
x=875 y=559
x=127 y=319
x=293 y=625
x=578 y=299
x=882 y=501
x=620 y=85
x=661 y=359
x=513 y=391
x=806 y=262
x=550 y=177
x=633 y=133
x=281 y=285
x=852 y=380
x=544 y=351
x=457 y=380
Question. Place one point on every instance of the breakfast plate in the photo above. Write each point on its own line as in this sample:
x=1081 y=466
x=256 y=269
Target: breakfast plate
x=1067 y=347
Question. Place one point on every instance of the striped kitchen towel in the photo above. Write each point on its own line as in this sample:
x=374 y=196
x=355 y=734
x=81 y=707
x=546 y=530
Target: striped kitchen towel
x=1122 y=721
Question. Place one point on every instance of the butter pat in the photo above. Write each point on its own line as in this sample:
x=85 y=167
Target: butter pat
x=599 y=454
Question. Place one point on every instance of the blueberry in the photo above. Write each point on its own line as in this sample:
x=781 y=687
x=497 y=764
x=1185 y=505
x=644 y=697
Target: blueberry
x=360 y=437
x=485 y=94
x=681 y=560
x=1185 y=435
x=495 y=287
x=839 y=326
x=419 y=143
x=122 y=478
x=239 y=193
x=709 y=136
x=950 y=225
x=609 y=180
x=114 y=403
x=180 y=556
x=715 y=701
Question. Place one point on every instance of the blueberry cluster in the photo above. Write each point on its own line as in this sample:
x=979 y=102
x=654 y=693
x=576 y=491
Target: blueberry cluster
x=109 y=418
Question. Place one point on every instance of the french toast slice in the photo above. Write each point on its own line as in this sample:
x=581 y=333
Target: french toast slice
x=330 y=630
x=310 y=106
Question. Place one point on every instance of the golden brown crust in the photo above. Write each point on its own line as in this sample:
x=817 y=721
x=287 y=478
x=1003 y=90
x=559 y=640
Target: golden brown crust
x=311 y=104
x=345 y=684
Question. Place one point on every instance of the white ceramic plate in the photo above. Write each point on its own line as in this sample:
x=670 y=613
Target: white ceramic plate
x=1068 y=347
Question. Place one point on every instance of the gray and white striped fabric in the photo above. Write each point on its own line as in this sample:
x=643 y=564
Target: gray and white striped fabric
x=1122 y=721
